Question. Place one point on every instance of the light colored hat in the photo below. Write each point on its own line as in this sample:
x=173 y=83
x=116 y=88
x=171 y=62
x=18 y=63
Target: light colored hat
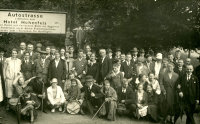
x=54 y=80
x=159 y=56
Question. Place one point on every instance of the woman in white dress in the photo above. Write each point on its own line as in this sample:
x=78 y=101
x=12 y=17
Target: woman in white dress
x=11 y=69
x=1 y=91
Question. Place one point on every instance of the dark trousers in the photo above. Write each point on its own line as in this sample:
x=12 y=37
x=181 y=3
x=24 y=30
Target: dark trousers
x=189 y=110
x=91 y=105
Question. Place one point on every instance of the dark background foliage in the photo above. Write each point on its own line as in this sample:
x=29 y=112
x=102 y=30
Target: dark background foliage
x=159 y=24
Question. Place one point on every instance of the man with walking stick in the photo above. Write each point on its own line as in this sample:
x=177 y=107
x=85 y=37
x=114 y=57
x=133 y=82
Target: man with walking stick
x=92 y=95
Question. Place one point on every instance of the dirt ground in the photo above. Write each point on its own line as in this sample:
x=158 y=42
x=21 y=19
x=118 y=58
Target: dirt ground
x=60 y=118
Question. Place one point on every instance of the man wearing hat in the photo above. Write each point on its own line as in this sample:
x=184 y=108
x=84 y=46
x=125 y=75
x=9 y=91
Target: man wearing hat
x=27 y=66
x=38 y=47
x=157 y=65
x=118 y=53
x=142 y=53
x=55 y=95
x=41 y=66
x=134 y=52
x=92 y=95
x=177 y=56
x=2 y=61
x=109 y=53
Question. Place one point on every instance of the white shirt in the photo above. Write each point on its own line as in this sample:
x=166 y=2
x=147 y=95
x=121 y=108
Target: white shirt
x=155 y=86
x=157 y=68
x=57 y=61
x=123 y=90
x=103 y=59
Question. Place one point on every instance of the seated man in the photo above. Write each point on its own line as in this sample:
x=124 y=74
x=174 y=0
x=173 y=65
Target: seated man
x=39 y=90
x=125 y=98
x=56 y=98
x=92 y=95
x=29 y=104
x=110 y=105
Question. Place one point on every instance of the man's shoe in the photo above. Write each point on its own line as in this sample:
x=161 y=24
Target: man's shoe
x=60 y=109
x=52 y=110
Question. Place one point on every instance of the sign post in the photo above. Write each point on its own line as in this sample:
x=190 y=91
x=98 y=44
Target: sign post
x=12 y=21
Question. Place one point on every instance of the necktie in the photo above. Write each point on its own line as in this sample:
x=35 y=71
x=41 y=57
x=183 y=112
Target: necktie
x=188 y=77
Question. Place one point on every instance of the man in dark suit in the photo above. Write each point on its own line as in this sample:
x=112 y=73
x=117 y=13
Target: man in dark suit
x=41 y=67
x=148 y=63
x=189 y=92
x=126 y=96
x=180 y=69
x=57 y=69
x=92 y=95
x=27 y=66
x=127 y=67
x=105 y=65
x=33 y=55
x=22 y=50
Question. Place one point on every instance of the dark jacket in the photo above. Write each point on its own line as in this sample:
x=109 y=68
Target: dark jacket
x=127 y=69
x=104 y=68
x=93 y=70
x=58 y=72
x=27 y=69
x=190 y=89
x=129 y=95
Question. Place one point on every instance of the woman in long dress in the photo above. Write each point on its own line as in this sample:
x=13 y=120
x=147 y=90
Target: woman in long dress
x=11 y=70
x=1 y=91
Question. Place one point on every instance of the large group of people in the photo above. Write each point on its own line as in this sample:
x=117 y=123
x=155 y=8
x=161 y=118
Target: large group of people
x=138 y=84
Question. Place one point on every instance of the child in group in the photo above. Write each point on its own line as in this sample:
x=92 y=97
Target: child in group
x=115 y=77
x=73 y=93
x=67 y=84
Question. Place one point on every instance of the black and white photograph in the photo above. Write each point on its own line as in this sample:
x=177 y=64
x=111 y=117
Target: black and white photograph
x=99 y=61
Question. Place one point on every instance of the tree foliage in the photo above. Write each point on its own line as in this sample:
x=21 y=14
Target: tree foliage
x=125 y=23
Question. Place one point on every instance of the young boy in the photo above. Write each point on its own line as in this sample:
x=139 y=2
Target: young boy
x=115 y=77
x=73 y=93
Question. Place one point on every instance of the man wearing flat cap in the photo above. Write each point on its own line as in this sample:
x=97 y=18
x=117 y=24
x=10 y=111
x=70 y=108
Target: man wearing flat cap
x=41 y=66
x=134 y=52
x=92 y=95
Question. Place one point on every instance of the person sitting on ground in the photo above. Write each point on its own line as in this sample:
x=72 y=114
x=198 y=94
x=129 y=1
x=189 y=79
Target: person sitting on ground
x=73 y=93
x=154 y=83
x=141 y=79
x=115 y=77
x=19 y=85
x=125 y=98
x=29 y=103
x=140 y=107
x=152 y=109
x=56 y=98
x=92 y=95
x=110 y=97
x=67 y=83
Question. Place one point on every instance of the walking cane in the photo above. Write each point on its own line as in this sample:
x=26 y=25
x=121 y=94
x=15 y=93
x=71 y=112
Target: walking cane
x=98 y=110
x=42 y=104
